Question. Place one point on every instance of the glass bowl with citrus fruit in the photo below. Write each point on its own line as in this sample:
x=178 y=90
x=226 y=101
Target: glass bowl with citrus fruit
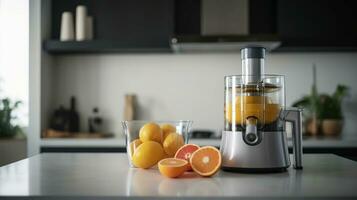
x=148 y=142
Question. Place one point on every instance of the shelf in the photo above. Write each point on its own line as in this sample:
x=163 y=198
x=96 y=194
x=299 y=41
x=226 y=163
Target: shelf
x=104 y=46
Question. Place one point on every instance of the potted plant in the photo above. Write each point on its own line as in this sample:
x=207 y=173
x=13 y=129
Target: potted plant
x=332 y=111
x=7 y=127
x=12 y=140
x=323 y=113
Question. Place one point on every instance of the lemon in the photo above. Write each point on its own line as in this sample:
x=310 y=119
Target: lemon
x=172 y=143
x=133 y=146
x=167 y=129
x=147 y=154
x=150 y=132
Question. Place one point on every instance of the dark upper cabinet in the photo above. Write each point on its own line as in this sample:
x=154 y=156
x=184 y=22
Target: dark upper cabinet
x=262 y=17
x=187 y=17
x=300 y=25
x=317 y=25
x=148 y=26
x=119 y=26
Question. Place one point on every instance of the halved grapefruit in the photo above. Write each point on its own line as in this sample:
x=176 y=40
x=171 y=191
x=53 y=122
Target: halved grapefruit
x=206 y=161
x=172 y=167
x=185 y=153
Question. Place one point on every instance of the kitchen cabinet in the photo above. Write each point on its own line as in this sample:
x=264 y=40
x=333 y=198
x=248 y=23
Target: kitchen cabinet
x=317 y=25
x=128 y=26
x=119 y=26
x=108 y=176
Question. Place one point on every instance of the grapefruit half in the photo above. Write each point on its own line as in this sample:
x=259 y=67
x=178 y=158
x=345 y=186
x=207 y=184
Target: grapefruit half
x=185 y=153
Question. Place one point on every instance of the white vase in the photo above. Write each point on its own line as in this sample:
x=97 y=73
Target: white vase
x=67 y=27
x=81 y=18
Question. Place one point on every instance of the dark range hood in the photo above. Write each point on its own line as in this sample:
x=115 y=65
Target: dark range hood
x=224 y=26
x=222 y=43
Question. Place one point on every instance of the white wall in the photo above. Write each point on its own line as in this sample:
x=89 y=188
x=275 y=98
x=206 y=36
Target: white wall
x=187 y=86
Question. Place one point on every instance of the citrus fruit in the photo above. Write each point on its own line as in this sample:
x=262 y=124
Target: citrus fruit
x=185 y=153
x=172 y=143
x=133 y=146
x=258 y=106
x=147 y=154
x=167 y=129
x=206 y=161
x=172 y=167
x=166 y=156
x=150 y=132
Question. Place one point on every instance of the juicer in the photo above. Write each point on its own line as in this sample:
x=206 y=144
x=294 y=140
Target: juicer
x=254 y=137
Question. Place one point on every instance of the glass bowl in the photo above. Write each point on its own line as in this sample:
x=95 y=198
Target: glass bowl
x=131 y=129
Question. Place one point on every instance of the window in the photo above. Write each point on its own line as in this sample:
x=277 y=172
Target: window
x=14 y=53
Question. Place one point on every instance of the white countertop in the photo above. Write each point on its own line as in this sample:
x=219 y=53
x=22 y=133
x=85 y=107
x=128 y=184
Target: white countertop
x=344 y=142
x=108 y=142
x=108 y=176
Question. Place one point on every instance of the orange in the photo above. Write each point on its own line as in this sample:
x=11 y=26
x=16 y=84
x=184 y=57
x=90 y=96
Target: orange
x=166 y=156
x=150 y=132
x=206 y=161
x=166 y=130
x=185 y=153
x=133 y=146
x=172 y=143
x=259 y=106
x=172 y=167
x=147 y=154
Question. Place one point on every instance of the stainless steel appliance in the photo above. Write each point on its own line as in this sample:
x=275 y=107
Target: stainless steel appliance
x=254 y=136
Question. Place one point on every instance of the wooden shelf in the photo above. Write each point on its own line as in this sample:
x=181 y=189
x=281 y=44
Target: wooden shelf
x=103 y=46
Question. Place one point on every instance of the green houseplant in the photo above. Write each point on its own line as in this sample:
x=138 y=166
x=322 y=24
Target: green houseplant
x=7 y=127
x=323 y=113
x=331 y=113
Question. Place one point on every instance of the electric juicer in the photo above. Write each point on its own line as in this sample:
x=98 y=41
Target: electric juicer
x=254 y=137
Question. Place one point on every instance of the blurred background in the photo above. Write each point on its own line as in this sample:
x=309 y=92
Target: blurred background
x=72 y=70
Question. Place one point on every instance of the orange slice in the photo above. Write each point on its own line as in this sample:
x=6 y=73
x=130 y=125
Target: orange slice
x=172 y=167
x=185 y=153
x=206 y=161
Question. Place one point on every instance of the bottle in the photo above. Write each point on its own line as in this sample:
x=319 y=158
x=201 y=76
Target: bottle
x=129 y=107
x=73 y=117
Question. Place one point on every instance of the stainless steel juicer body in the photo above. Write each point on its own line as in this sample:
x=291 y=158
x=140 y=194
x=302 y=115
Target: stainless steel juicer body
x=251 y=144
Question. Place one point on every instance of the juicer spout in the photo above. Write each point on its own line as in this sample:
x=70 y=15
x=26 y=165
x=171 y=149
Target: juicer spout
x=251 y=131
x=294 y=115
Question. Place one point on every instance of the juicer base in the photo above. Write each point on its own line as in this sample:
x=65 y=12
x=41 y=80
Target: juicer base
x=254 y=170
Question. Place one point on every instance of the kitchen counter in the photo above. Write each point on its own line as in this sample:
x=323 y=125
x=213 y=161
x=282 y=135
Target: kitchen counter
x=316 y=142
x=108 y=176
x=345 y=146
